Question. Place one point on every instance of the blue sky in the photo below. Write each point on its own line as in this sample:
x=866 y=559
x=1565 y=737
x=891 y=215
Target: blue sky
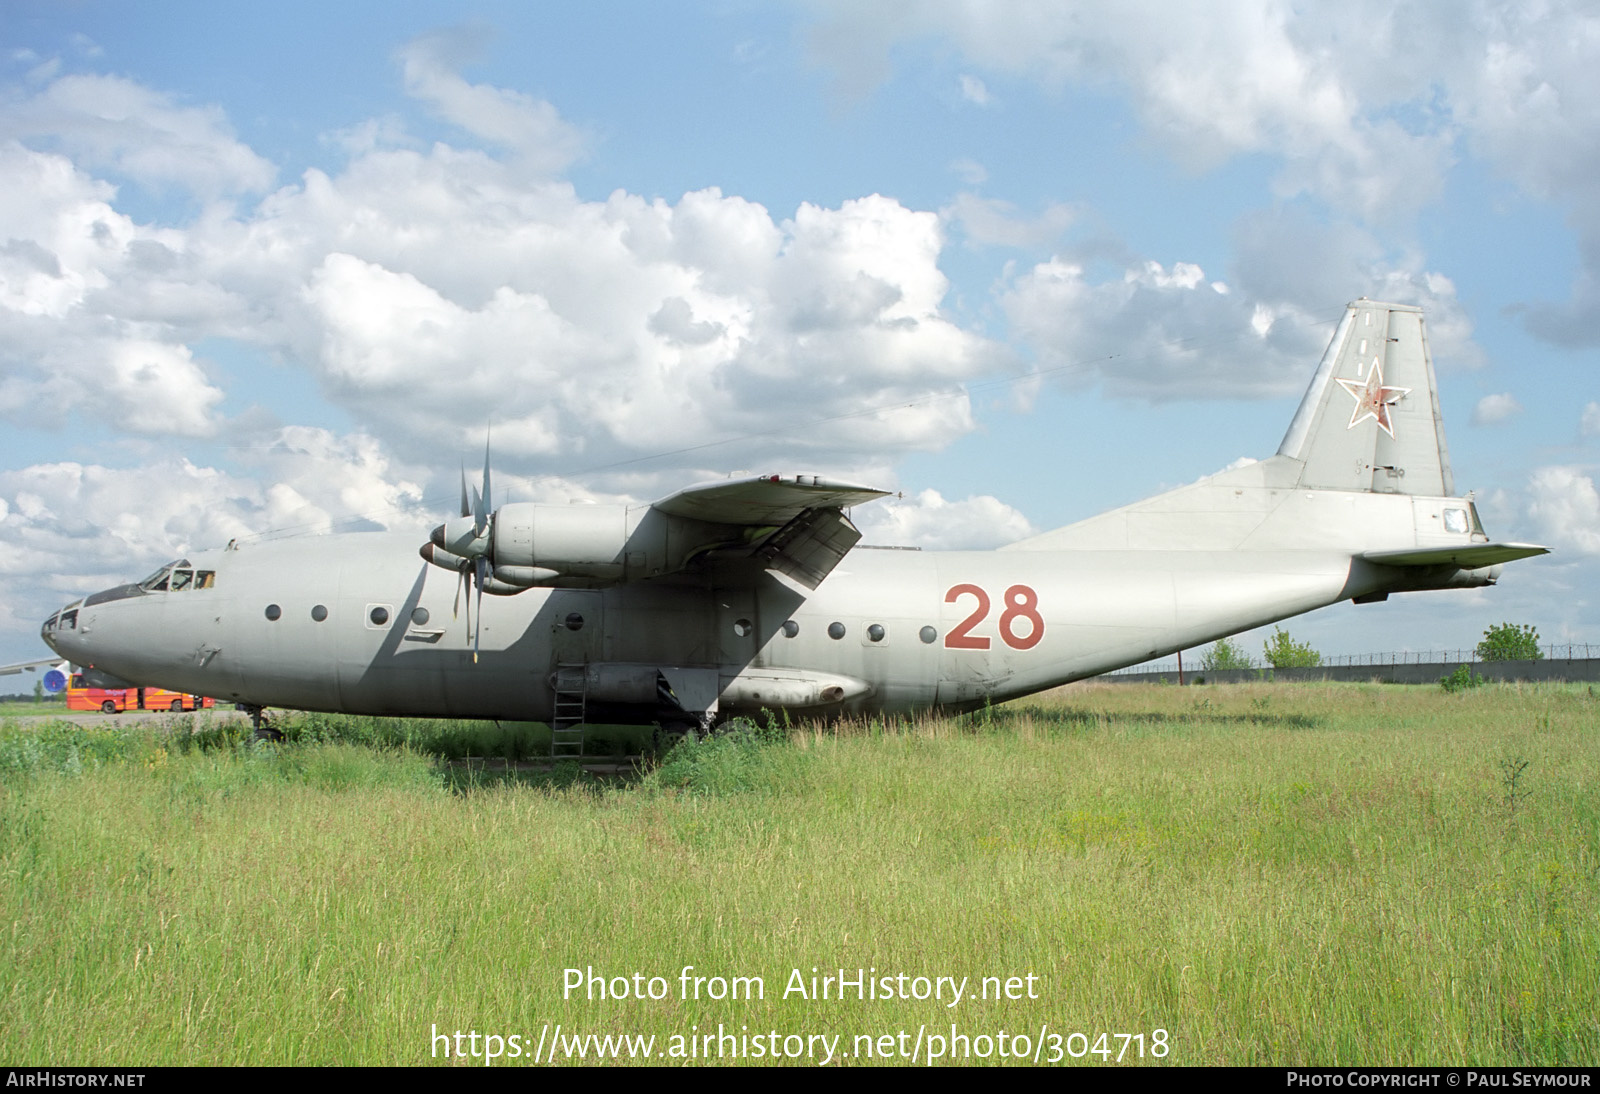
x=275 y=269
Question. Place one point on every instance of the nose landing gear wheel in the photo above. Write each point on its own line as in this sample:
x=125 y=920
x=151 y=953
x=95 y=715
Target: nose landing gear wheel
x=263 y=729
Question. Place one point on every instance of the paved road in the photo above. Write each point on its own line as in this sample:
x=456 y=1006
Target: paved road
x=197 y=719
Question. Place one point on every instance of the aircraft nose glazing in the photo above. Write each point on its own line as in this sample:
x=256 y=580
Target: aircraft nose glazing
x=61 y=626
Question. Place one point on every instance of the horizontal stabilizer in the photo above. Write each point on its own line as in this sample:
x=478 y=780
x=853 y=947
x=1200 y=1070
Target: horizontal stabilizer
x=1472 y=556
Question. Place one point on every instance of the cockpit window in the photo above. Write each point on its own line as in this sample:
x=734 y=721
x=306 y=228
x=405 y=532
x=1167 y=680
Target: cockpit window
x=204 y=579
x=160 y=581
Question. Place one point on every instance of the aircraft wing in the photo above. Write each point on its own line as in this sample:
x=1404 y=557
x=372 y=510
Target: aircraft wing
x=795 y=524
x=1473 y=556
x=28 y=666
x=765 y=500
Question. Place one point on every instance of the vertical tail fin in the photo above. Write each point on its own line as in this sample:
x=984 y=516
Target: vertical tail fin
x=1370 y=420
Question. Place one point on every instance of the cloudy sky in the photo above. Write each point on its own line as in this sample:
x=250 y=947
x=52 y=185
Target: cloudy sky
x=275 y=271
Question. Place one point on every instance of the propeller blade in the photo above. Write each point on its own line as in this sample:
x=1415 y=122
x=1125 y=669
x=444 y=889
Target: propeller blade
x=466 y=509
x=486 y=503
x=480 y=575
x=481 y=504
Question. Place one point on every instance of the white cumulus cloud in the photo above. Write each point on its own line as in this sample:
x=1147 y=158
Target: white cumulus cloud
x=532 y=128
x=992 y=221
x=1492 y=409
x=115 y=124
x=974 y=90
x=1156 y=333
x=1564 y=504
x=436 y=292
x=928 y=520
x=1589 y=423
x=1365 y=105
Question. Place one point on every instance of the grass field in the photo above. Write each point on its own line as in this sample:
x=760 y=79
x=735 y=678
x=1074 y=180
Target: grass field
x=12 y=706
x=1270 y=874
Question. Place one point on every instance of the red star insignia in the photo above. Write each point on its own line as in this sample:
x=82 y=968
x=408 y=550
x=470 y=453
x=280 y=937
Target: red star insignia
x=1373 y=400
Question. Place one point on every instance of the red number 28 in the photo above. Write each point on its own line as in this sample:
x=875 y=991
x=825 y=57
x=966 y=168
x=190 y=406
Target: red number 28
x=1021 y=603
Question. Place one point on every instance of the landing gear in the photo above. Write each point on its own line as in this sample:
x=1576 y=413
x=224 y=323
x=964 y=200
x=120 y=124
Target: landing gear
x=666 y=735
x=680 y=725
x=263 y=729
x=677 y=691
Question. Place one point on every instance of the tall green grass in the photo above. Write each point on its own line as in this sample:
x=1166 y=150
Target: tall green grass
x=1317 y=874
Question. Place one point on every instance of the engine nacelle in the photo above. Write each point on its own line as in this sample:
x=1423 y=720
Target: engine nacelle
x=544 y=544
x=575 y=546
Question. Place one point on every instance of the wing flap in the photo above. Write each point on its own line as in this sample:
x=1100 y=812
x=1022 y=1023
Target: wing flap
x=1471 y=556
x=811 y=545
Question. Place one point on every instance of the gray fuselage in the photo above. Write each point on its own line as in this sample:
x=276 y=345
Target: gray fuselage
x=916 y=629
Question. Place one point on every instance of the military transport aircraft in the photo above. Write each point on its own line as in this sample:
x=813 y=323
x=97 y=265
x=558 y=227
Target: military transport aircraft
x=733 y=597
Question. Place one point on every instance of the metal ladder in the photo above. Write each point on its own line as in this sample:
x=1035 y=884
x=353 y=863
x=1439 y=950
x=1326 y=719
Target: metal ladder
x=571 y=686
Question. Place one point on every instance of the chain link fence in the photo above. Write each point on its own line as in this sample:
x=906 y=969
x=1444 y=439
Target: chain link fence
x=1195 y=660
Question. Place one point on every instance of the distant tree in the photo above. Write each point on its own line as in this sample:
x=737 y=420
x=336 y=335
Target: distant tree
x=1510 y=642
x=1283 y=652
x=1225 y=655
x=38 y=691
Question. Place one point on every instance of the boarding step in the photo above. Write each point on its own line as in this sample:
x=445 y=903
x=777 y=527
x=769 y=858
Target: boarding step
x=570 y=683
